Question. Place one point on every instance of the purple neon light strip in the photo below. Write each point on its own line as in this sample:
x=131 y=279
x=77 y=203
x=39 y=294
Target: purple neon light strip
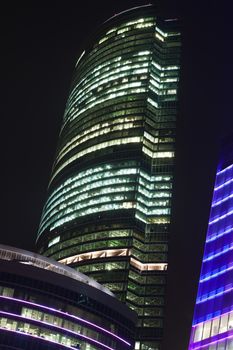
x=221 y=217
x=215 y=274
x=213 y=256
x=66 y=314
x=198 y=301
x=218 y=235
x=38 y=337
x=57 y=327
x=211 y=343
x=214 y=204
x=225 y=169
x=223 y=185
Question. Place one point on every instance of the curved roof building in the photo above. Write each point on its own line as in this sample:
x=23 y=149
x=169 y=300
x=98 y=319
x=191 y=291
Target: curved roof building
x=46 y=306
x=108 y=209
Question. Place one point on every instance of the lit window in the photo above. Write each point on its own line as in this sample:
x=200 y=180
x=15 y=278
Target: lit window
x=215 y=326
x=198 y=333
x=206 y=330
x=122 y=141
x=223 y=323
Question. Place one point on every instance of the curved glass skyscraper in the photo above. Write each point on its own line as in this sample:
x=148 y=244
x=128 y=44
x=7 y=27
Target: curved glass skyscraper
x=108 y=210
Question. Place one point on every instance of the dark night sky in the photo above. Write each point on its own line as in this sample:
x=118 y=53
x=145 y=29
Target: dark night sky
x=38 y=52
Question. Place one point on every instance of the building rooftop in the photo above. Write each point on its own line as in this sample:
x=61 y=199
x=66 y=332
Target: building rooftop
x=30 y=258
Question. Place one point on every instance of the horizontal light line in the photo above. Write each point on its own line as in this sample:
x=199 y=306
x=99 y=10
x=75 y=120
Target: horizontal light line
x=210 y=343
x=216 y=274
x=95 y=149
x=113 y=253
x=213 y=256
x=78 y=335
x=91 y=134
x=223 y=185
x=38 y=337
x=214 y=204
x=148 y=266
x=221 y=217
x=223 y=171
x=67 y=315
x=213 y=296
x=215 y=236
x=98 y=254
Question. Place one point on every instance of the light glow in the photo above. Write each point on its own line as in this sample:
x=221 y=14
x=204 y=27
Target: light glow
x=215 y=236
x=54 y=241
x=221 y=217
x=148 y=266
x=214 y=296
x=225 y=169
x=67 y=315
x=223 y=185
x=95 y=255
x=79 y=335
x=103 y=145
x=42 y=338
x=209 y=276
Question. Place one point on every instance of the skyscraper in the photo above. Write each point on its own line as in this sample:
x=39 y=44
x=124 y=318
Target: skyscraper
x=212 y=327
x=108 y=210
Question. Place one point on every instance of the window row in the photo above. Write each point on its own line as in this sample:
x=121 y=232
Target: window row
x=94 y=236
x=115 y=74
x=93 y=174
x=213 y=327
x=47 y=334
x=101 y=146
x=57 y=321
x=97 y=130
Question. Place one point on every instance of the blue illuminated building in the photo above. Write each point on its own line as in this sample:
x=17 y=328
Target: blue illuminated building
x=212 y=327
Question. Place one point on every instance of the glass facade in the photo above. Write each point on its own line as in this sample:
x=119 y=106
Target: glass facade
x=213 y=318
x=108 y=209
x=40 y=309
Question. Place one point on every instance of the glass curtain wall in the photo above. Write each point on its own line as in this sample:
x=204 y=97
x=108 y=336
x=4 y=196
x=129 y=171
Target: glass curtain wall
x=213 y=318
x=108 y=210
